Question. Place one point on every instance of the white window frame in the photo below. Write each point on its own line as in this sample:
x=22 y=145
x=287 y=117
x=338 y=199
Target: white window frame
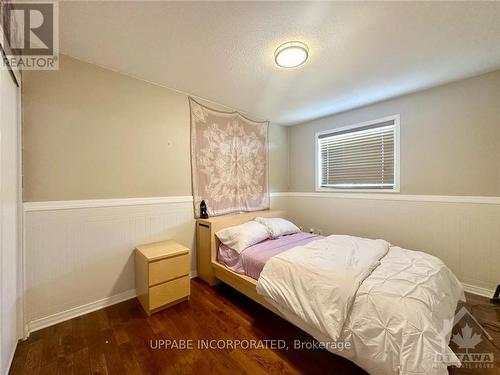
x=397 y=162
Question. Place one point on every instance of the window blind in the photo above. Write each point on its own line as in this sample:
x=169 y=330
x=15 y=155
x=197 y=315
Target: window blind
x=359 y=158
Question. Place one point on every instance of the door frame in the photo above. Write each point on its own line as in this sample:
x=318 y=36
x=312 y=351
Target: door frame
x=21 y=326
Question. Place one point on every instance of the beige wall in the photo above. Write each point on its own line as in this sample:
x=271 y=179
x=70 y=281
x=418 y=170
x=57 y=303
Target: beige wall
x=91 y=133
x=450 y=139
x=278 y=158
x=450 y=145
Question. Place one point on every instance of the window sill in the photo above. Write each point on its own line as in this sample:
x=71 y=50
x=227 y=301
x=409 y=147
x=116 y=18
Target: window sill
x=334 y=190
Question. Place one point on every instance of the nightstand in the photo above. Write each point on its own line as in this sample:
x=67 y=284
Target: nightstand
x=161 y=275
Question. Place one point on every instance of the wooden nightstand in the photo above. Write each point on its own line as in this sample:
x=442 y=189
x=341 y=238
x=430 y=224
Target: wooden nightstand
x=161 y=275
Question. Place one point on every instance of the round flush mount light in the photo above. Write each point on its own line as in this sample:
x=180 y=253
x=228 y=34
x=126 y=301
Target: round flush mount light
x=291 y=54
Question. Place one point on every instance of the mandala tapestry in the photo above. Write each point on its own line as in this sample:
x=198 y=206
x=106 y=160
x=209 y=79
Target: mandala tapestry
x=229 y=161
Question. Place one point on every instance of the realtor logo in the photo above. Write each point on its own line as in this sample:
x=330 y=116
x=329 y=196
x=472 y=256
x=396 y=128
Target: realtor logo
x=467 y=339
x=31 y=34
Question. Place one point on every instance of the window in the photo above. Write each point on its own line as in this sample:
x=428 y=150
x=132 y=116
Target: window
x=362 y=156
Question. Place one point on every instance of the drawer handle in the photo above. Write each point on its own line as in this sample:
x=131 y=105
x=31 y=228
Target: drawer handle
x=203 y=225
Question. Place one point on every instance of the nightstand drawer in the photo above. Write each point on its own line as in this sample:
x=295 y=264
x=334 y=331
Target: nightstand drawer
x=168 y=292
x=168 y=269
x=161 y=274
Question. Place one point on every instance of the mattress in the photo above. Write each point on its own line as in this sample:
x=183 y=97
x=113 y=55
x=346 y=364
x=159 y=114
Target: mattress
x=252 y=260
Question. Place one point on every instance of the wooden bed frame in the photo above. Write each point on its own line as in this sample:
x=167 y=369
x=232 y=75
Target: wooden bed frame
x=207 y=245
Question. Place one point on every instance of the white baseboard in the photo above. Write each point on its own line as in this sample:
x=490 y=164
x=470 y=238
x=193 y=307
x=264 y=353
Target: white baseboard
x=485 y=292
x=62 y=316
x=85 y=309
x=105 y=302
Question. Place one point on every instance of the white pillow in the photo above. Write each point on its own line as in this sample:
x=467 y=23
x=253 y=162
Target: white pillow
x=242 y=236
x=277 y=226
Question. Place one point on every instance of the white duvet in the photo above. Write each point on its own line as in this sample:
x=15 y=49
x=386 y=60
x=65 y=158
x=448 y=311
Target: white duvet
x=387 y=302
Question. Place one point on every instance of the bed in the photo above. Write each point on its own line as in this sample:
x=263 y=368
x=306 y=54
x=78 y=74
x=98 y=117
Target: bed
x=207 y=245
x=395 y=305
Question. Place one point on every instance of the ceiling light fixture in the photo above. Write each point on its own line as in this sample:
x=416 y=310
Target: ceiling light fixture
x=291 y=54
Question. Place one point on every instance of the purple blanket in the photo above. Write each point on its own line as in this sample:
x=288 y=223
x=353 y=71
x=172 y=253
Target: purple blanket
x=252 y=260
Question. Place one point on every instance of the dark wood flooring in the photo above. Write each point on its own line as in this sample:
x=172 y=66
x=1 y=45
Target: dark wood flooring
x=116 y=340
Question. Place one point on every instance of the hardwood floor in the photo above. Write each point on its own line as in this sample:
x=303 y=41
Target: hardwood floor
x=488 y=316
x=117 y=340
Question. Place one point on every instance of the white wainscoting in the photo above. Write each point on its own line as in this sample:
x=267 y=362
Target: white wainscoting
x=79 y=254
x=463 y=231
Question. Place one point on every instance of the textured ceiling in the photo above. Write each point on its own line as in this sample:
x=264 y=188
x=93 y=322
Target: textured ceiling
x=360 y=52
